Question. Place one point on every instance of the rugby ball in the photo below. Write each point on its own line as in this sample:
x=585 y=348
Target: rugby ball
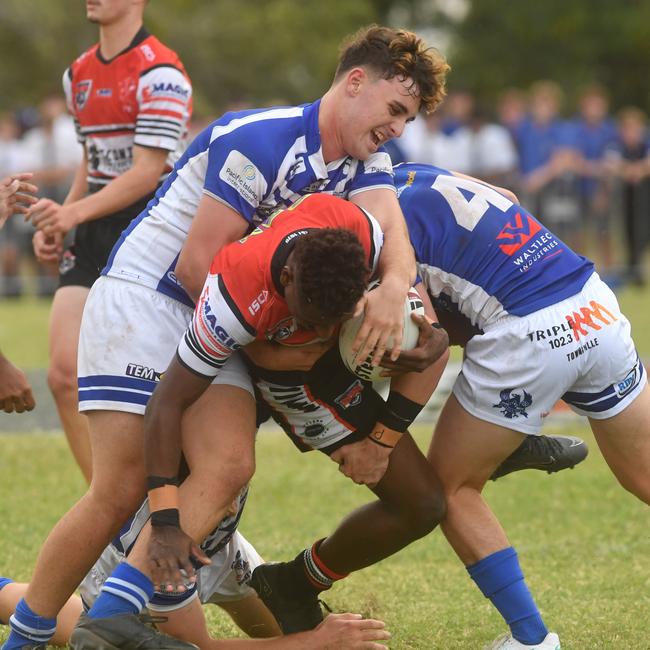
x=364 y=368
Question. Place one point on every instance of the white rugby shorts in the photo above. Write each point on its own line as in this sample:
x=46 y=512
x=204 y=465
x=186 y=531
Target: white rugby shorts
x=129 y=335
x=579 y=350
x=222 y=581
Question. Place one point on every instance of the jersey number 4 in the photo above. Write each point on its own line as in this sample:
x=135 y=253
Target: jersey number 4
x=469 y=200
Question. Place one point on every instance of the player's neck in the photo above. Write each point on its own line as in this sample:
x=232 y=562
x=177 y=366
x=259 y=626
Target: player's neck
x=329 y=134
x=117 y=36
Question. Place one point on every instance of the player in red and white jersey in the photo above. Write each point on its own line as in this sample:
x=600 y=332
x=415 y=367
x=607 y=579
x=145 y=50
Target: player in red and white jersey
x=131 y=100
x=246 y=296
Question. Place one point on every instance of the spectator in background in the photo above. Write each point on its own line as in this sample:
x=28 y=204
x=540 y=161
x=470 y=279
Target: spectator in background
x=548 y=160
x=512 y=110
x=630 y=160
x=595 y=133
x=12 y=160
x=50 y=149
x=15 y=392
x=492 y=155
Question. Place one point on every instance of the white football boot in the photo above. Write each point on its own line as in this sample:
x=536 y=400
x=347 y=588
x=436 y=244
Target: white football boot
x=507 y=642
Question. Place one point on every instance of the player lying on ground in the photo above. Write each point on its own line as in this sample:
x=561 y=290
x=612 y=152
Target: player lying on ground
x=542 y=327
x=311 y=276
x=234 y=174
x=223 y=582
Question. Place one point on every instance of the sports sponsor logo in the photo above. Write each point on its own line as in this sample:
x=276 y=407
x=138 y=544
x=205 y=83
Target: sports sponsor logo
x=582 y=349
x=82 y=92
x=214 y=327
x=149 y=54
x=142 y=372
x=242 y=175
x=104 y=92
x=586 y=317
x=514 y=402
x=313 y=429
x=110 y=160
x=556 y=336
x=543 y=247
x=352 y=395
x=257 y=303
x=626 y=385
x=166 y=89
x=514 y=235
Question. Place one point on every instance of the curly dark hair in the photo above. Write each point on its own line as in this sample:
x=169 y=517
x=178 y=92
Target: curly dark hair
x=332 y=271
x=397 y=53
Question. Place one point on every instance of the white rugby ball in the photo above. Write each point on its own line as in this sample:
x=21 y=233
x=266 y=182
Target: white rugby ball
x=364 y=368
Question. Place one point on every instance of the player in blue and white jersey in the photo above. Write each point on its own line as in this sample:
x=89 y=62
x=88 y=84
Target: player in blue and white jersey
x=244 y=165
x=545 y=328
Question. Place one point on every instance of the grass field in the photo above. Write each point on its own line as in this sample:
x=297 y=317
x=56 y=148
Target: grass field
x=583 y=542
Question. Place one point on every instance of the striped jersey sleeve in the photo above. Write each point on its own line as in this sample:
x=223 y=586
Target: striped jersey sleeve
x=67 y=91
x=217 y=330
x=164 y=95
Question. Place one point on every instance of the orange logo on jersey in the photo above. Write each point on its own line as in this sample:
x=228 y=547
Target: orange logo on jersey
x=585 y=317
x=517 y=234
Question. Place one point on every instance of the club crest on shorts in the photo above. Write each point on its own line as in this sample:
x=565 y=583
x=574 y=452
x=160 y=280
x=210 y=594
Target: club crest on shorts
x=514 y=402
x=242 y=569
x=351 y=396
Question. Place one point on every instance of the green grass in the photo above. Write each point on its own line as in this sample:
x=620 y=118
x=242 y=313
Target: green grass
x=584 y=544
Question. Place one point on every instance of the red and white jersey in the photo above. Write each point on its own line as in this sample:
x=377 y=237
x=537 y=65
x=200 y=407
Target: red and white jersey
x=242 y=299
x=142 y=96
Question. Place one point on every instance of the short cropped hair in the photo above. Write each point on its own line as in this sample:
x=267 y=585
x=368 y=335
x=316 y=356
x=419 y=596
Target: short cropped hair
x=332 y=271
x=397 y=53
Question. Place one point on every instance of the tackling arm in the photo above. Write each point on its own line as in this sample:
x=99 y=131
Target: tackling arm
x=384 y=306
x=214 y=225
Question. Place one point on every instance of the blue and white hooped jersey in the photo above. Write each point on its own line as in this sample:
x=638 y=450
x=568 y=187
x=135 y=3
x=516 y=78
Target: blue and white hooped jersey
x=254 y=161
x=487 y=254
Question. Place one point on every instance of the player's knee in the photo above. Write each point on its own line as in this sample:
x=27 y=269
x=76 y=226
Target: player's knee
x=117 y=500
x=425 y=513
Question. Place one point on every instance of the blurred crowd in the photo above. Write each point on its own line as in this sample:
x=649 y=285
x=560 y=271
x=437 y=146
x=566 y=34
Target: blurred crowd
x=585 y=172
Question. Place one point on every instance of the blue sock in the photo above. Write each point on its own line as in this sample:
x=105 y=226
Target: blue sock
x=500 y=578
x=28 y=628
x=126 y=591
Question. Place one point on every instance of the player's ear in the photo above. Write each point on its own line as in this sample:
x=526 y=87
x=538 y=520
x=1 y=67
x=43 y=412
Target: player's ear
x=286 y=276
x=354 y=80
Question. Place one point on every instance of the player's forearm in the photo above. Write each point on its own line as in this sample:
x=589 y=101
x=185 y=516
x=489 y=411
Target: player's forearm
x=396 y=261
x=79 y=187
x=162 y=434
x=120 y=193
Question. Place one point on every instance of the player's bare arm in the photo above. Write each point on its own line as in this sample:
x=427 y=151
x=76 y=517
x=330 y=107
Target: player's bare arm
x=138 y=181
x=169 y=549
x=384 y=305
x=214 y=225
